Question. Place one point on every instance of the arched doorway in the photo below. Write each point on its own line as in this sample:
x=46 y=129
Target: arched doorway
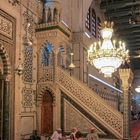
x=4 y=93
x=47 y=113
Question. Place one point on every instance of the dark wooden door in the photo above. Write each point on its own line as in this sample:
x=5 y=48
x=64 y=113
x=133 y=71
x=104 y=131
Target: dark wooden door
x=47 y=114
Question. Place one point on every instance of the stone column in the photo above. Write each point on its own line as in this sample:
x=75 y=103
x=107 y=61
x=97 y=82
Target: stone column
x=1 y=107
x=5 y=111
x=126 y=76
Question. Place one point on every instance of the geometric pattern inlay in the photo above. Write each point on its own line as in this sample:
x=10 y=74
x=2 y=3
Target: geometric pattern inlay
x=28 y=98
x=28 y=64
x=73 y=117
x=45 y=74
x=7 y=27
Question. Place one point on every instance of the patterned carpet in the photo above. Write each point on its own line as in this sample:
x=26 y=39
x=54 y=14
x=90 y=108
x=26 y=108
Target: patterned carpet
x=135 y=130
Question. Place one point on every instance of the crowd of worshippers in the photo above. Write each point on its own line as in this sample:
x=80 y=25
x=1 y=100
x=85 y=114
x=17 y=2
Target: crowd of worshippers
x=74 y=135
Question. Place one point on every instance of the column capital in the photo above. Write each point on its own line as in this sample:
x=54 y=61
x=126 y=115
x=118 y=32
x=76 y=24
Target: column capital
x=6 y=77
x=126 y=76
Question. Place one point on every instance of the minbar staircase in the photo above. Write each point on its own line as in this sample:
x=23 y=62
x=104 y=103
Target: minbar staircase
x=108 y=118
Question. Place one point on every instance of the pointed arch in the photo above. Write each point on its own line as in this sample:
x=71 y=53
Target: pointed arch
x=55 y=14
x=41 y=93
x=5 y=60
x=49 y=15
x=60 y=56
x=46 y=54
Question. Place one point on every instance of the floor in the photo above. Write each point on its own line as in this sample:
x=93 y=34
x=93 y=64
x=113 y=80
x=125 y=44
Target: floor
x=135 y=129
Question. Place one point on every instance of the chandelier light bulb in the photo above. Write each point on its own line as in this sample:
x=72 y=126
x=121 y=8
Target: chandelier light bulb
x=99 y=43
x=114 y=43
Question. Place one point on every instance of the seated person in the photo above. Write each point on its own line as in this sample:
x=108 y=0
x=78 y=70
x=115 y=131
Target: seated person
x=35 y=136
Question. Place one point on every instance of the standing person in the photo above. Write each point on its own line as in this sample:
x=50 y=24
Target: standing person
x=57 y=135
x=73 y=132
x=92 y=135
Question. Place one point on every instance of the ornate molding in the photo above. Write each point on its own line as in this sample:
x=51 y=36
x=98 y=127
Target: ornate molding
x=53 y=26
x=7 y=27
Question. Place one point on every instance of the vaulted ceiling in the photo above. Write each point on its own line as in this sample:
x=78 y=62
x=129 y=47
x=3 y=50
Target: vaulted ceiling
x=126 y=16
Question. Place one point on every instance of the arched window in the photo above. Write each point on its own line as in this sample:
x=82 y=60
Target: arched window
x=61 y=56
x=91 y=20
x=49 y=16
x=55 y=14
x=46 y=54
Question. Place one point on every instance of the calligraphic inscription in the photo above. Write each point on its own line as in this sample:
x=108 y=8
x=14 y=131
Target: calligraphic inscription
x=7 y=27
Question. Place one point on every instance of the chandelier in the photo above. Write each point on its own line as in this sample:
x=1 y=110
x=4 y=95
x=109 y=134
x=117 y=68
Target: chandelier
x=107 y=55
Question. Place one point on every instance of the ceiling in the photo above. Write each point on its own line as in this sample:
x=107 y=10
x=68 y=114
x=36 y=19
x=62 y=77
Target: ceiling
x=126 y=17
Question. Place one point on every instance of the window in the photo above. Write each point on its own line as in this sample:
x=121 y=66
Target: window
x=61 y=55
x=91 y=21
x=46 y=54
x=88 y=20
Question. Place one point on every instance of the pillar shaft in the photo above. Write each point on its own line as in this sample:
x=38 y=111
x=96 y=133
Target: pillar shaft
x=126 y=76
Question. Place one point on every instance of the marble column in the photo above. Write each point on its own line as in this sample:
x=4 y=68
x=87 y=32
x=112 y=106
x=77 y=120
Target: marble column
x=126 y=76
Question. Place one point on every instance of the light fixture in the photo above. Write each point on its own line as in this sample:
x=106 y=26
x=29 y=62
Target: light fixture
x=107 y=55
x=19 y=70
x=137 y=89
x=27 y=41
x=71 y=66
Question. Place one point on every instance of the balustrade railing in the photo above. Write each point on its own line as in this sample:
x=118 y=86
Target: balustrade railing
x=91 y=102
x=109 y=93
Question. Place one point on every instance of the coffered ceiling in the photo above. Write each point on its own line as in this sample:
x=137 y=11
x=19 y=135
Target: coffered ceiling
x=126 y=17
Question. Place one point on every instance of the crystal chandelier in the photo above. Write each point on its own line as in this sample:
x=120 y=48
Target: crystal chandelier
x=107 y=55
